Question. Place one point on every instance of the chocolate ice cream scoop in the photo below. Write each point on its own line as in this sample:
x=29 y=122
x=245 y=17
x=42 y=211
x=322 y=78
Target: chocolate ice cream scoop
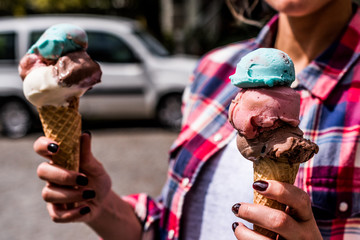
x=77 y=68
x=284 y=144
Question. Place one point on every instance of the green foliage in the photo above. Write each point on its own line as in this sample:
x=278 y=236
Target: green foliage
x=51 y=5
x=24 y=7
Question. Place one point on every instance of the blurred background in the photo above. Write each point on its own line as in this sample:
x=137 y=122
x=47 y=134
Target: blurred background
x=147 y=51
x=162 y=40
x=183 y=26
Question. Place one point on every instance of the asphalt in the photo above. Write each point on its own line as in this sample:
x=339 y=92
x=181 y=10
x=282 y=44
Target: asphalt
x=135 y=157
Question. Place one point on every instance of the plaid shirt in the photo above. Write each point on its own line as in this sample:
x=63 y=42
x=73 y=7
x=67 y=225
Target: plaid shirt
x=330 y=116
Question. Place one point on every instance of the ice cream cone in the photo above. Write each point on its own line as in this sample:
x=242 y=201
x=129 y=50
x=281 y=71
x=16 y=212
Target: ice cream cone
x=63 y=125
x=56 y=71
x=266 y=114
x=267 y=169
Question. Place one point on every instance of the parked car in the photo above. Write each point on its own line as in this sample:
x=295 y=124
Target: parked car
x=141 y=80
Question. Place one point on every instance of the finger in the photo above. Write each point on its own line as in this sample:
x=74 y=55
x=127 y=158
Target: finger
x=60 y=195
x=298 y=201
x=85 y=150
x=45 y=147
x=61 y=215
x=271 y=219
x=244 y=233
x=86 y=157
x=60 y=176
x=88 y=164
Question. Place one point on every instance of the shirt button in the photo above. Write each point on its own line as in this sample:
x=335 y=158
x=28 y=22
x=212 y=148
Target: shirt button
x=343 y=207
x=185 y=182
x=218 y=137
x=171 y=234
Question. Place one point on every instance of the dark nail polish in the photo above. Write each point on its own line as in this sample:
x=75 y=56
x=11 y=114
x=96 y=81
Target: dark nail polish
x=260 y=185
x=52 y=147
x=87 y=132
x=235 y=208
x=87 y=194
x=84 y=210
x=234 y=226
x=81 y=180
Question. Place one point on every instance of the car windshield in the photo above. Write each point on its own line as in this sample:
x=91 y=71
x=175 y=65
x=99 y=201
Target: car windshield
x=151 y=43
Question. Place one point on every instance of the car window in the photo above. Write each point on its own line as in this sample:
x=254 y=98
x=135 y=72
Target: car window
x=7 y=47
x=103 y=47
x=34 y=36
x=151 y=43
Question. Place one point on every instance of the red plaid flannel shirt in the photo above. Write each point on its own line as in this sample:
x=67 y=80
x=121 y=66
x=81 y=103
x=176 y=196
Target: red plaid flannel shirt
x=330 y=116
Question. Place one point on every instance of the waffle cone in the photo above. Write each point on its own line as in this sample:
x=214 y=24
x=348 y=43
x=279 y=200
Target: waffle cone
x=63 y=125
x=267 y=169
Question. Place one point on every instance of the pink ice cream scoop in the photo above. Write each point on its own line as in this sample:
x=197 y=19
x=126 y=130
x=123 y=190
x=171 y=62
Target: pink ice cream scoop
x=28 y=63
x=255 y=110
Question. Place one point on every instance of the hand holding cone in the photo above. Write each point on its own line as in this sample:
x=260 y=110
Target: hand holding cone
x=278 y=159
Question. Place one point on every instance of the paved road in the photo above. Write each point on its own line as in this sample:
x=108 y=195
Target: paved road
x=127 y=153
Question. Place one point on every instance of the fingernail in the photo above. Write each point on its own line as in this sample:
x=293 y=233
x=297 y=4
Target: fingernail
x=234 y=226
x=52 y=147
x=87 y=194
x=260 y=185
x=87 y=132
x=235 y=208
x=84 y=210
x=81 y=180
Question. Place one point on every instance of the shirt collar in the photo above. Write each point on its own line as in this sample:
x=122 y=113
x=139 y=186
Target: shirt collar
x=322 y=75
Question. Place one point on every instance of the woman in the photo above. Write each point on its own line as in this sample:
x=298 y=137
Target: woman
x=322 y=38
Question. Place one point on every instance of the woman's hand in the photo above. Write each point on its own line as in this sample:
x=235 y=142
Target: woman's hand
x=85 y=196
x=296 y=223
x=72 y=196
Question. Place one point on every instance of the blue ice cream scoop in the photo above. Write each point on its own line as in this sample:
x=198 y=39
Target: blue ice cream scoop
x=58 y=40
x=264 y=67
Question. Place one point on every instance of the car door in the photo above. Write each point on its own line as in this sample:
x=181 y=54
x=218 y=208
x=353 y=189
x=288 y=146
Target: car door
x=9 y=76
x=121 y=94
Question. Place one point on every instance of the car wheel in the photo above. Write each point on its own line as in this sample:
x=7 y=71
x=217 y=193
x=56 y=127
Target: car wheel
x=169 y=111
x=15 y=118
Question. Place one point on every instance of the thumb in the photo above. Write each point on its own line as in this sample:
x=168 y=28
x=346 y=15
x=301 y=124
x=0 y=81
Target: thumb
x=85 y=148
x=88 y=163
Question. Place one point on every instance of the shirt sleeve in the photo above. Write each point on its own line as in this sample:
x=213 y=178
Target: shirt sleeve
x=148 y=211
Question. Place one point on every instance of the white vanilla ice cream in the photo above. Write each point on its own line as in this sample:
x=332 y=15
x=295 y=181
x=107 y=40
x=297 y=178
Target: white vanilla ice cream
x=41 y=88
